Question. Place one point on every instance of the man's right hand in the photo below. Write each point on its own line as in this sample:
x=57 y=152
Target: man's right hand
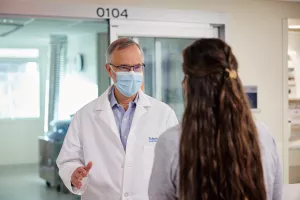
x=79 y=174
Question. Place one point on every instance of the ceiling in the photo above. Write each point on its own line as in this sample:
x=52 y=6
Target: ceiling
x=41 y=28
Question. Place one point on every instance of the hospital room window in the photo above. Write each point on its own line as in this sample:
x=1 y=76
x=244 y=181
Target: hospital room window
x=19 y=84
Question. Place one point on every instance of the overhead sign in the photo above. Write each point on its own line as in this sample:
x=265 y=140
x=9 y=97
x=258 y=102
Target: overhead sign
x=112 y=13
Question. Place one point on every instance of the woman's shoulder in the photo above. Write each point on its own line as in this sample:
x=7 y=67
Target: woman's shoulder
x=265 y=135
x=172 y=134
x=269 y=151
x=170 y=139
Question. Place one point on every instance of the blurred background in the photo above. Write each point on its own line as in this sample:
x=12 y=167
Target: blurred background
x=52 y=57
x=41 y=86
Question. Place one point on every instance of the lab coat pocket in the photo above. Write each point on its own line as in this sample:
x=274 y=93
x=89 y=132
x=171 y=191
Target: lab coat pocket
x=148 y=160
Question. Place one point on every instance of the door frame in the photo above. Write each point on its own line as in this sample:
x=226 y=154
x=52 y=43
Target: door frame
x=89 y=11
x=285 y=107
x=161 y=29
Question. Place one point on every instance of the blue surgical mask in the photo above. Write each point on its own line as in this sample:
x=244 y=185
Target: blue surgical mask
x=129 y=83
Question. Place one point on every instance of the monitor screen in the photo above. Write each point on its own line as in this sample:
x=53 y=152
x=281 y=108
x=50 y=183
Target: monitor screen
x=251 y=92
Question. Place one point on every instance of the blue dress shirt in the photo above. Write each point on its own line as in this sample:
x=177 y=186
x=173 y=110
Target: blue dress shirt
x=123 y=118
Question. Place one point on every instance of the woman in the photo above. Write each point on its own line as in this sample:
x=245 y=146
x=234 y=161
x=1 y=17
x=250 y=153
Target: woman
x=218 y=152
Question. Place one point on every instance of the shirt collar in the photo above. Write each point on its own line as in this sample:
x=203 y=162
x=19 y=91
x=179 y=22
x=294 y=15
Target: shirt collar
x=113 y=101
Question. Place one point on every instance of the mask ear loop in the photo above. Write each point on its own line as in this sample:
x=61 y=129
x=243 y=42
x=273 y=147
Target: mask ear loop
x=112 y=69
x=112 y=80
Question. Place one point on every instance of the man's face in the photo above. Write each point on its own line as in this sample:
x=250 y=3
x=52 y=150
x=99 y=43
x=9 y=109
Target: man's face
x=130 y=56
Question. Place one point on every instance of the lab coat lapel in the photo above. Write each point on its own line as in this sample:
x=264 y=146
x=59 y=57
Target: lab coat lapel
x=105 y=114
x=141 y=108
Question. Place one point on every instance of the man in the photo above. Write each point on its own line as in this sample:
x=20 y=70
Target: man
x=108 y=151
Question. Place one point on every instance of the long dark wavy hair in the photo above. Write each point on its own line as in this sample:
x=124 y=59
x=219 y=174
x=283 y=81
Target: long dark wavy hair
x=220 y=156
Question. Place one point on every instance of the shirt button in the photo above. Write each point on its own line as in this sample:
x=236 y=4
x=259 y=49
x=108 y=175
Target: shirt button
x=126 y=194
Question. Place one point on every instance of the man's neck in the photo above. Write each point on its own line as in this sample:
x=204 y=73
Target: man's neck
x=123 y=100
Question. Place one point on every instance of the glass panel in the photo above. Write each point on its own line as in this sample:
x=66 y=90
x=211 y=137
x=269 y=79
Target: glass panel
x=148 y=46
x=19 y=90
x=80 y=81
x=19 y=53
x=172 y=74
x=49 y=69
x=163 y=71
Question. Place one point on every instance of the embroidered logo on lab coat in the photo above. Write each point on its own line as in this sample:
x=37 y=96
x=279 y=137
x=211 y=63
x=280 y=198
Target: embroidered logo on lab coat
x=152 y=139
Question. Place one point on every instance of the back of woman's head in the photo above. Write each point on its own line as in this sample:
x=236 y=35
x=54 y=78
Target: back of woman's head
x=219 y=152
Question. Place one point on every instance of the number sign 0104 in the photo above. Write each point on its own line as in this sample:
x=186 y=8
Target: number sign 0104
x=112 y=12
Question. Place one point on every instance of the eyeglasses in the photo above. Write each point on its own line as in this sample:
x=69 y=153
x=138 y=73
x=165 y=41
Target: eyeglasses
x=127 y=68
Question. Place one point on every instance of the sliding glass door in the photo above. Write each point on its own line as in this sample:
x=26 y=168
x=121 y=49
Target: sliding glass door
x=162 y=44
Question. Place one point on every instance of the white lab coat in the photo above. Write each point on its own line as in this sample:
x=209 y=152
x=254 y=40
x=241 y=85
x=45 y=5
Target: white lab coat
x=93 y=136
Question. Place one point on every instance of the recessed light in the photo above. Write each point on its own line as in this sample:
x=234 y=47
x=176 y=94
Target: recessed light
x=294 y=26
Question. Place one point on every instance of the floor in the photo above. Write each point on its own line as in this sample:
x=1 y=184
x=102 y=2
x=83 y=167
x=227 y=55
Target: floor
x=23 y=183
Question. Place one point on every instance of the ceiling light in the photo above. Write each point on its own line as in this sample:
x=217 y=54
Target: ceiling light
x=294 y=27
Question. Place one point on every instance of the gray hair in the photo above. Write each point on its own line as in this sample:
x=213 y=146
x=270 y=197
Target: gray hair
x=120 y=44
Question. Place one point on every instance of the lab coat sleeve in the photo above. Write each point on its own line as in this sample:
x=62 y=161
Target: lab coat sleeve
x=172 y=120
x=71 y=156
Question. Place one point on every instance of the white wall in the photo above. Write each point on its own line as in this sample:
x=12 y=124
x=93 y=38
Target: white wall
x=19 y=140
x=87 y=45
x=294 y=45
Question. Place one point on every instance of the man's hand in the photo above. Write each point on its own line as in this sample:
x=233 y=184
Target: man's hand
x=79 y=174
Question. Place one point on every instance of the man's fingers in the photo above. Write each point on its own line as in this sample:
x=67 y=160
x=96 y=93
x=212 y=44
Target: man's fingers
x=79 y=177
x=88 y=167
x=79 y=174
x=80 y=169
x=84 y=173
x=76 y=175
x=77 y=183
